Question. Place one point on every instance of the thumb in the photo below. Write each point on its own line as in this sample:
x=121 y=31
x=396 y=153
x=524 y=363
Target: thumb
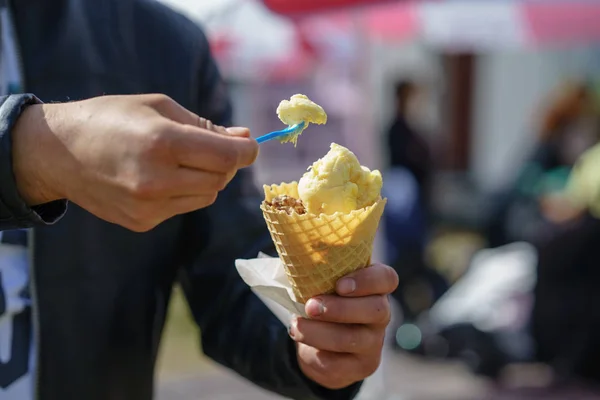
x=239 y=131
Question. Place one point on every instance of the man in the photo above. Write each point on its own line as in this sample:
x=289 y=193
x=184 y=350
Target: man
x=407 y=214
x=407 y=149
x=85 y=299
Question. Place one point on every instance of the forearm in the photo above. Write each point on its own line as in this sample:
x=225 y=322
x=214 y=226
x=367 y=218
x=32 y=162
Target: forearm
x=20 y=205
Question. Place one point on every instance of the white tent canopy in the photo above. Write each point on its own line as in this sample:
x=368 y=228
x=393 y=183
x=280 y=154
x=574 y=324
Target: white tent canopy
x=253 y=31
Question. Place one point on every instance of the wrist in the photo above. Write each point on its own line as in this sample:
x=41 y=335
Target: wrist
x=35 y=156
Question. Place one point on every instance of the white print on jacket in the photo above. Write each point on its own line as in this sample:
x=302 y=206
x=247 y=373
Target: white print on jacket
x=16 y=328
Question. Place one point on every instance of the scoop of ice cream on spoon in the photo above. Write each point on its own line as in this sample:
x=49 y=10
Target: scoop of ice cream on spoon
x=297 y=112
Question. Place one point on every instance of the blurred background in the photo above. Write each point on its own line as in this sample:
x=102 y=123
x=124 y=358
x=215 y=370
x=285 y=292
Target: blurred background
x=475 y=112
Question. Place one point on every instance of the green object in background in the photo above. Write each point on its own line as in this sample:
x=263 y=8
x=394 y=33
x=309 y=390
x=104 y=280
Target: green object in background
x=584 y=181
x=409 y=337
x=528 y=180
x=554 y=181
x=534 y=182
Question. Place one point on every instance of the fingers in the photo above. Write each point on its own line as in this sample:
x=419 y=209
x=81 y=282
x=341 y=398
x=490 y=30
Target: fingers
x=341 y=340
x=360 y=310
x=174 y=111
x=201 y=149
x=338 y=338
x=238 y=131
x=335 y=370
x=207 y=124
x=365 y=300
x=233 y=131
x=199 y=143
x=376 y=279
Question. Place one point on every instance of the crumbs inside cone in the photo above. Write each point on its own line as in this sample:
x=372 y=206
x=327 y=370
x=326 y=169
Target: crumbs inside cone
x=288 y=204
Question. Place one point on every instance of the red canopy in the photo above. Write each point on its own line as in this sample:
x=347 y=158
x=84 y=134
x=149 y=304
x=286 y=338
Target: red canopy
x=292 y=7
x=476 y=24
x=563 y=22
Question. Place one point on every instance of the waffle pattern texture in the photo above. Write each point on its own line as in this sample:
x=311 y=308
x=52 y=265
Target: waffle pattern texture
x=317 y=250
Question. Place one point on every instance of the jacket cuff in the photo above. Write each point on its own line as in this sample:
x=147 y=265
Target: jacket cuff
x=12 y=206
x=319 y=392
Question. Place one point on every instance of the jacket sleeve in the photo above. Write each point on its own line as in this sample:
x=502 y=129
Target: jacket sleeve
x=14 y=213
x=237 y=328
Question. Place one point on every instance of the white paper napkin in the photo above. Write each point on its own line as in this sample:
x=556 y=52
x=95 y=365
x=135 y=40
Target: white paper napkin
x=266 y=276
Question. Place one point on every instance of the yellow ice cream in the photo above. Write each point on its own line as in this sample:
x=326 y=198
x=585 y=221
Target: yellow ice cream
x=338 y=183
x=299 y=108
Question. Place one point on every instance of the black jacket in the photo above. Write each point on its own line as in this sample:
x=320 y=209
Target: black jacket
x=100 y=292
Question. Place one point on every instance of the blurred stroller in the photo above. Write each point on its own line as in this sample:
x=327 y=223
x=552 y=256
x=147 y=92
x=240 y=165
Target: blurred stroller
x=523 y=304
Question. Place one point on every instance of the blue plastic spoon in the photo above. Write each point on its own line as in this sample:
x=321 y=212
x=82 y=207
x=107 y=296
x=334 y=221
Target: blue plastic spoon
x=288 y=132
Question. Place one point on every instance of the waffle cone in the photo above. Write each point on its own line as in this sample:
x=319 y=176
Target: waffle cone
x=317 y=250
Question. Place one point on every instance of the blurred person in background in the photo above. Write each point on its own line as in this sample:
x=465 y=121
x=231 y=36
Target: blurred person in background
x=83 y=302
x=406 y=215
x=565 y=320
x=525 y=211
x=407 y=148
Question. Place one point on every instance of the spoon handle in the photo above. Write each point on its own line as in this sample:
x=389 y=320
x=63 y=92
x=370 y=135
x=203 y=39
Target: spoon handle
x=276 y=134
